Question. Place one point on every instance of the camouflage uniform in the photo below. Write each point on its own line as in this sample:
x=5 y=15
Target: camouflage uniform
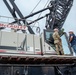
x=58 y=43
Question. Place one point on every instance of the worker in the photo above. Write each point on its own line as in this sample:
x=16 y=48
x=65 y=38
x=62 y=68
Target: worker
x=72 y=40
x=58 y=42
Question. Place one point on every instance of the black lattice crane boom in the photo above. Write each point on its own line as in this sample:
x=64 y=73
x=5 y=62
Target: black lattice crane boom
x=58 y=15
x=59 y=10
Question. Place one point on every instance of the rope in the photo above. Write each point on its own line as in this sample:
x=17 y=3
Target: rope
x=35 y=6
x=38 y=29
x=43 y=8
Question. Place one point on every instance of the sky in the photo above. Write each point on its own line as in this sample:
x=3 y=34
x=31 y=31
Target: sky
x=26 y=7
x=70 y=23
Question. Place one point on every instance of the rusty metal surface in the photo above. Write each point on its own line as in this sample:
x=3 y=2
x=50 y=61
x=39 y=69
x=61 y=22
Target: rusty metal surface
x=37 y=59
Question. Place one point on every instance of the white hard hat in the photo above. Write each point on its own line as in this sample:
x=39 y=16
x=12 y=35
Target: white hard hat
x=71 y=31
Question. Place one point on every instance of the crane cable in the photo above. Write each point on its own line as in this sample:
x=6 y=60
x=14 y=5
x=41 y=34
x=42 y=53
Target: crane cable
x=38 y=28
x=43 y=8
x=36 y=6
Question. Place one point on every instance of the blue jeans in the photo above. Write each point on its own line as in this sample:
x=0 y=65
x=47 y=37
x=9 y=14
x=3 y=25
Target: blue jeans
x=74 y=47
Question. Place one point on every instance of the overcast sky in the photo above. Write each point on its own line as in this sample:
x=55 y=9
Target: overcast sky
x=70 y=23
x=26 y=6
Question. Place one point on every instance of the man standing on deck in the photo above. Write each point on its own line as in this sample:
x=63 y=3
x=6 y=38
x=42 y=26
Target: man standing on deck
x=72 y=40
x=58 y=42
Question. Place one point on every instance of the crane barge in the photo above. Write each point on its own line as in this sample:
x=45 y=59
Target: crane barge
x=25 y=54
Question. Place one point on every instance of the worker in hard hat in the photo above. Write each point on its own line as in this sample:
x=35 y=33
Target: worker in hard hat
x=58 y=42
x=72 y=40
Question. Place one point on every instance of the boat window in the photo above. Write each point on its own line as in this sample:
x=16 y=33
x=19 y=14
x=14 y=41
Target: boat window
x=65 y=45
x=48 y=39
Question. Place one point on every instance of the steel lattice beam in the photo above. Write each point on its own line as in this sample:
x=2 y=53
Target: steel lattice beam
x=58 y=15
x=15 y=9
x=59 y=10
